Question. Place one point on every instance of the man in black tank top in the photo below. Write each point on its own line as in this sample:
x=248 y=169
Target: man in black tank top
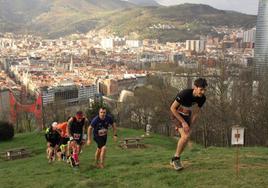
x=76 y=130
x=183 y=115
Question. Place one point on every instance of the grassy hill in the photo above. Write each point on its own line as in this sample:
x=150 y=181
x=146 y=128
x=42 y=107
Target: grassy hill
x=54 y=18
x=211 y=167
x=62 y=17
x=189 y=21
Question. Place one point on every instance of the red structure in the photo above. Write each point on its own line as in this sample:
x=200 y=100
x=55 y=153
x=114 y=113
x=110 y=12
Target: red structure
x=17 y=108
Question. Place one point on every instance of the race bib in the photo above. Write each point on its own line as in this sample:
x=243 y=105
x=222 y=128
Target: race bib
x=76 y=136
x=102 y=132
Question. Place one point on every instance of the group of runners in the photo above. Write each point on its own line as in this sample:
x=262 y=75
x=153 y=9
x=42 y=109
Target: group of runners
x=65 y=140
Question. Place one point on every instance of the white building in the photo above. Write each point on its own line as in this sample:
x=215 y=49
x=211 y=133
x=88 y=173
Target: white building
x=107 y=43
x=71 y=94
x=249 y=35
x=133 y=43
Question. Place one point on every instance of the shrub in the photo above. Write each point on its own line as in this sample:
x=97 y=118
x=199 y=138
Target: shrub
x=6 y=131
x=94 y=110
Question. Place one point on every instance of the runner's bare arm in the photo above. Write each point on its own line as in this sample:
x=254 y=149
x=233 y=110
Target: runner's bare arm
x=85 y=125
x=69 y=133
x=195 y=114
x=89 y=133
x=173 y=109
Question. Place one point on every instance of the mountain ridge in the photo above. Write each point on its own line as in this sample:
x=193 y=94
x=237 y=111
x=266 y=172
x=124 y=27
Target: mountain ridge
x=144 y=3
x=58 y=18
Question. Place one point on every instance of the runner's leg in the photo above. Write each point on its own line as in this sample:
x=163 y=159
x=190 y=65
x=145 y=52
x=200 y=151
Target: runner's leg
x=182 y=142
x=102 y=156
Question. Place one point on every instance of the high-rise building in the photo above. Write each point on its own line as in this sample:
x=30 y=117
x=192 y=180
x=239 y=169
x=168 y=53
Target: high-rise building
x=195 y=45
x=249 y=35
x=261 y=42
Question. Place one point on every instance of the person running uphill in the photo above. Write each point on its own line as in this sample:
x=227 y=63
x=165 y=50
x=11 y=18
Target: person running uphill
x=100 y=125
x=183 y=115
x=53 y=140
x=62 y=127
x=76 y=129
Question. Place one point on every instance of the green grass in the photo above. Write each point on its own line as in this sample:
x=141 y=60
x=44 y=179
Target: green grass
x=211 y=167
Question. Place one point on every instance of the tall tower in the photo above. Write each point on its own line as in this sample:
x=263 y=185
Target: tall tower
x=261 y=42
x=71 y=64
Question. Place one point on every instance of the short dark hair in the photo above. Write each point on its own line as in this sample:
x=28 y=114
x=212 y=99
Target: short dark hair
x=201 y=82
x=103 y=107
x=79 y=113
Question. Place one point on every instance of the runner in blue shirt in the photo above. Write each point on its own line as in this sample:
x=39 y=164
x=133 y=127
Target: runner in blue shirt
x=100 y=125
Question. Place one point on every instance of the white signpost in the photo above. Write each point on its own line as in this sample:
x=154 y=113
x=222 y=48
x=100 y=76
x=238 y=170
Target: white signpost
x=238 y=140
x=148 y=129
x=237 y=135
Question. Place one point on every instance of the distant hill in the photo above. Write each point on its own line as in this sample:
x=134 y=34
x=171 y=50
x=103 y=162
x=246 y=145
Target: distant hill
x=55 y=18
x=204 y=14
x=144 y=2
x=186 y=21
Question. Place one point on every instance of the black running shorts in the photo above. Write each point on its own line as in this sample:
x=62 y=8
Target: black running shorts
x=64 y=141
x=101 y=141
x=177 y=123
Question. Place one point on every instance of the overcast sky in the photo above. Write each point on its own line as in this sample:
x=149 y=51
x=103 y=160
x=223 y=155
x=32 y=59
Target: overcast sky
x=245 y=6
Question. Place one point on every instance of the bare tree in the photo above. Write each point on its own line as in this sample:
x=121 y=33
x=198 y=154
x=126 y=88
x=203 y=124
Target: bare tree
x=152 y=100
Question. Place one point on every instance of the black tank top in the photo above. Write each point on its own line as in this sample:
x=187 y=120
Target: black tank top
x=77 y=126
